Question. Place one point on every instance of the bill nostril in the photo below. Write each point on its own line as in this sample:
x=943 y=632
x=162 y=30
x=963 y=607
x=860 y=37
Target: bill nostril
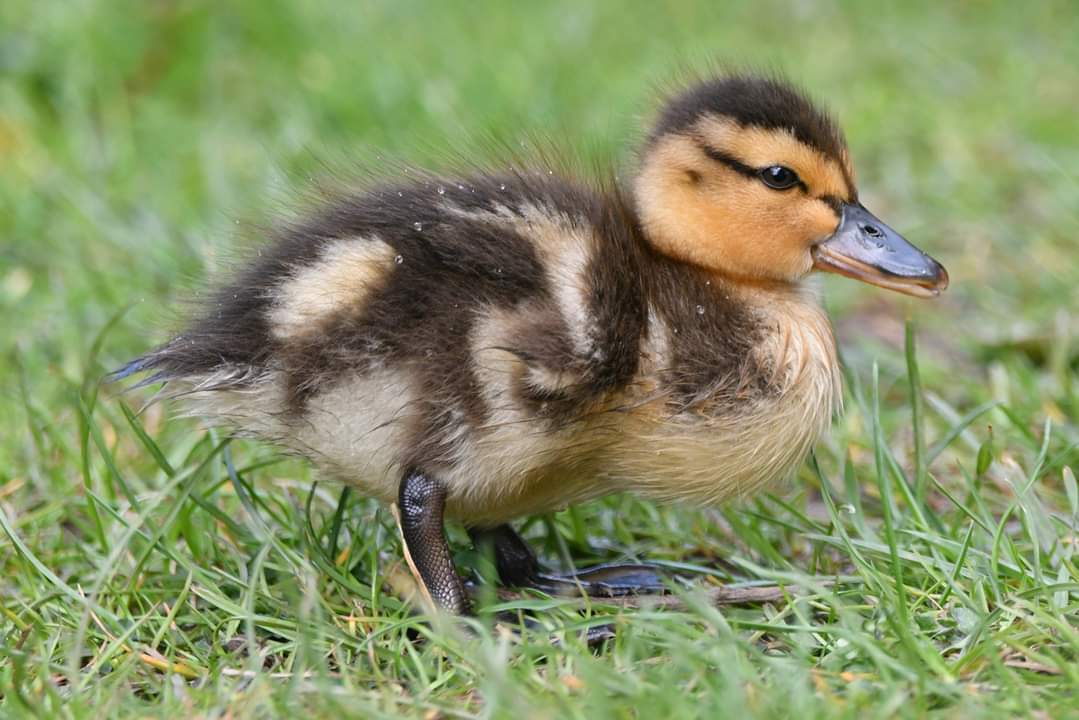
x=872 y=231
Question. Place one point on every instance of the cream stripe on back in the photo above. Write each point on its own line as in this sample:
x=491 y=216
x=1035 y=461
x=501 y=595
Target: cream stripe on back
x=342 y=277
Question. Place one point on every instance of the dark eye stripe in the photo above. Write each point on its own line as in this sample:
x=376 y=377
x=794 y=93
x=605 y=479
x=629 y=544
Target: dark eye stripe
x=729 y=160
x=751 y=172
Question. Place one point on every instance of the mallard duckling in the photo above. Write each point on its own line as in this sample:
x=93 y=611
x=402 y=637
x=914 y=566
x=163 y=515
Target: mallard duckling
x=498 y=344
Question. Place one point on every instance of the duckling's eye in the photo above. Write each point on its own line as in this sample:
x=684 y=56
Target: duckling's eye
x=778 y=177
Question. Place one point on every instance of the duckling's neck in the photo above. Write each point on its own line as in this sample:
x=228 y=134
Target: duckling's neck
x=769 y=295
x=729 y=339
x=797 y=337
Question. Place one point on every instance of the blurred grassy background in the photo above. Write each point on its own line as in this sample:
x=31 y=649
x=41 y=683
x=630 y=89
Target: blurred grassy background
x=134 y=135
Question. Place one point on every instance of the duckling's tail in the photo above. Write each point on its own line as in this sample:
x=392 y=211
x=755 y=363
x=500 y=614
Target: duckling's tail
x=134 y=367
x=153 y=366
x=183 y=360
x=204 y=388
x=151 y=361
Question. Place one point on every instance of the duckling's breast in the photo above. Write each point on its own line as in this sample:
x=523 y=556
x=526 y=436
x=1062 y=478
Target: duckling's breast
x=752 y=427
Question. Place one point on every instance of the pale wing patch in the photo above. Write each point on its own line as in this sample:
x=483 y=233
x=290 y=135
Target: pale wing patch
x=565 y=248
x=566 y=256
x=341 y=278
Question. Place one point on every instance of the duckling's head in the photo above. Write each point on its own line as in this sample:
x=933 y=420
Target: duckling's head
x=744 y=176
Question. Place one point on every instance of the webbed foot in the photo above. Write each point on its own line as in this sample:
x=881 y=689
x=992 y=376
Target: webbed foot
x=517 y=566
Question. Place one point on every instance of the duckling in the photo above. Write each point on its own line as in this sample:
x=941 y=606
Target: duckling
x=496 y=344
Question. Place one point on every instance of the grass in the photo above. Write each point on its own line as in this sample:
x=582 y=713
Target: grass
x=153 y=569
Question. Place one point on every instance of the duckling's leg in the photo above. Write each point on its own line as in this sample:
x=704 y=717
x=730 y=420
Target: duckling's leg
x=515 y=562
x=517 y=566
x=421 y=501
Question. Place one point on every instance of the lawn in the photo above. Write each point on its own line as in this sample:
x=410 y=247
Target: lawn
x=927 y=553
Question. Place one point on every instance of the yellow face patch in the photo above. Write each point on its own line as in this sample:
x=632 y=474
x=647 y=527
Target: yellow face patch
x=703 y=211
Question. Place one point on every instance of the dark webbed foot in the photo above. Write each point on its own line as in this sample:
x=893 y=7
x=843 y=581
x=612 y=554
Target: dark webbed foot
x=421 y=502
x=517 y=566
x=606 y=580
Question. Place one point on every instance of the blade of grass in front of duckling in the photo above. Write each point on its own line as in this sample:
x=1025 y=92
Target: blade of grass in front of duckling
x=888 y=508
x=837 y=523
x=185 y=481
x=855 y=387
x=958 y=569
x=854 y=499
x=86 y=412
x=338 y=518
x=258 y=526
x=917 y=411
x=901 y=620
x=957 y=429
x=86 y=396
x=147 y=441
x=554 y=538
x=254 y=572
